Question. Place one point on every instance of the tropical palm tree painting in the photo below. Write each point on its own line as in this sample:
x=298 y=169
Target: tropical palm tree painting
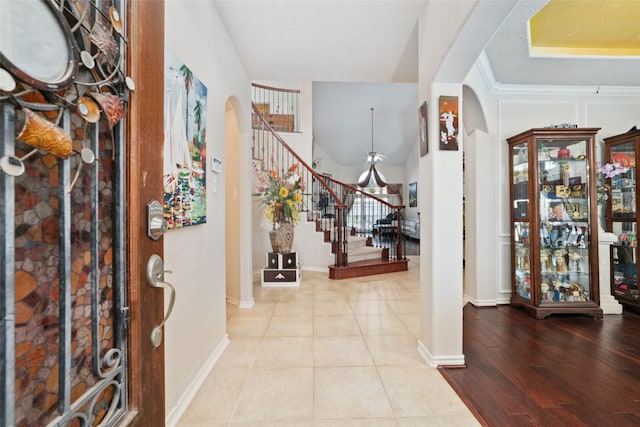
x=185 y=130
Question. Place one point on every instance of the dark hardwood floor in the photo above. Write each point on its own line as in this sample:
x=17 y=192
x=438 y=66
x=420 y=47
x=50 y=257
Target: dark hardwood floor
x=565 y=370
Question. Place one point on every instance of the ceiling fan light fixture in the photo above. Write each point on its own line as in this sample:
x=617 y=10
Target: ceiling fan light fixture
x=372 y=177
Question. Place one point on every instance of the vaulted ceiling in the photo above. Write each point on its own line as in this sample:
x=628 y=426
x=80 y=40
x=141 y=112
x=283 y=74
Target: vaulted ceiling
x=364 y=54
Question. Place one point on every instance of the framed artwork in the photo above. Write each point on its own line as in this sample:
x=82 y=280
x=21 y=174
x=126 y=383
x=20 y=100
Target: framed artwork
x=413 y=195
x=448 y=122
x=424 y=142
x=185 y=124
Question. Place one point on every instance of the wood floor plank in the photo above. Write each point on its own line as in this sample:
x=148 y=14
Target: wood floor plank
x=563 y=370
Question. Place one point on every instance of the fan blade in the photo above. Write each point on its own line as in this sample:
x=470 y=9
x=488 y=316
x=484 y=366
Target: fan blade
x=364 y=179
x=379 y=178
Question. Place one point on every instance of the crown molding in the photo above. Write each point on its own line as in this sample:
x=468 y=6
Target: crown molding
x=498 y=88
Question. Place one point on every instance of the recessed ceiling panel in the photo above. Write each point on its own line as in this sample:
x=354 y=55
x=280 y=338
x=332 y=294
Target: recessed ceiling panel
x=586 y=28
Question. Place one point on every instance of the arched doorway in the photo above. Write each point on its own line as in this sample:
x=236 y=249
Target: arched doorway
x=232 y=203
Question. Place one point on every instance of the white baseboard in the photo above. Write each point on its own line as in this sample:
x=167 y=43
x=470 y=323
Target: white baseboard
x=233 y=300
x=435 y=361
x=247 y=304
x=315 y=268
x=479 y=303
x=183 y=403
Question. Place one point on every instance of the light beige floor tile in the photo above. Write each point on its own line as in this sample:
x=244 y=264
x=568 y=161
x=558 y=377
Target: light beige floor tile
x=415 y=293
x=231 y=309
x=341 y=351
x=260 y=308
x=299 y=358
x=388 y=283
x=285 y=352
x=332 y=308
x=217 y=397
x=261 y=294
x=254 y=326
x=290 y=326
x=276 y=394
x=439 y=421
x=294 y=308
x=329 y=296
x=298 y=295
x=411 y=322
x=392 y=350
x=367 y=294
x=273 y=423
x=407 y=306
x=419 y=391
x=350 y=392
x=241 y=352
x=187 y=423
x=409 y=283
x=326 y=326
x=396 y=294
x=370 y=307
x=383 y=324
x=357 y=422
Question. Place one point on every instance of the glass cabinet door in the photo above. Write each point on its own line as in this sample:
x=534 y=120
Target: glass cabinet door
x=624 y=256
x=522 y=254
x=563 y=200
x=623 y=222
x=520 y=182
x=522 y=259
x=623 y=186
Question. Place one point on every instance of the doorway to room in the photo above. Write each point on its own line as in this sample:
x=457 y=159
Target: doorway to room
x=231 y=181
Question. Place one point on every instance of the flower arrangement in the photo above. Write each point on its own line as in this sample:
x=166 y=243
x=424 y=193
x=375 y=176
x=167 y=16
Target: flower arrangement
x=603 y=173
x=280 y=194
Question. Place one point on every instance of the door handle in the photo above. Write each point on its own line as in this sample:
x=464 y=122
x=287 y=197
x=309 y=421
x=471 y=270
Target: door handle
x=155 y=278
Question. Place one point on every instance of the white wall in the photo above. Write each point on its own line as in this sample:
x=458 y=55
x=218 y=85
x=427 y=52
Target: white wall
x=195 y=334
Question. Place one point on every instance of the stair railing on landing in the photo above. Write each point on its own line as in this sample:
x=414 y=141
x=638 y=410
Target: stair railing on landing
x=279 y=107
x=367 y=215
x=349 y=210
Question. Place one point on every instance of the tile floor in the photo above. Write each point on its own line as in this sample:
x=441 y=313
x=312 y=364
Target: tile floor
x=330 y=353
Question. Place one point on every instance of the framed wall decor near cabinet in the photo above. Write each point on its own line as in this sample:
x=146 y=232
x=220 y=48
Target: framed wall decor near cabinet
x=622 y=217
x=554 y=248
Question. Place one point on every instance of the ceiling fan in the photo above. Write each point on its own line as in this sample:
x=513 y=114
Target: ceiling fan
x=372 y=176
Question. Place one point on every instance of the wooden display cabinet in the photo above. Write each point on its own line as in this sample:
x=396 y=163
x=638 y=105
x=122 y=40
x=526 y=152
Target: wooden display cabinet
x=554 y=250
x=622 y=218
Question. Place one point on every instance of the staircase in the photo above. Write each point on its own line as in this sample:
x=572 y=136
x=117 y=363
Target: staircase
x=329 y=203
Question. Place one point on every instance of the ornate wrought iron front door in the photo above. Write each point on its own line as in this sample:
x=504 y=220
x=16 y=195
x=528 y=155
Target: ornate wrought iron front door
x=66 y=283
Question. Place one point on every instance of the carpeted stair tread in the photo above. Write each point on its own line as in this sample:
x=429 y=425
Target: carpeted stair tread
x=362 y=253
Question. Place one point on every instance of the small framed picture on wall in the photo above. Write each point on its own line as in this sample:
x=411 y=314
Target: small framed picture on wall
x=413 y=195
x=448 y=122
x=424 y=142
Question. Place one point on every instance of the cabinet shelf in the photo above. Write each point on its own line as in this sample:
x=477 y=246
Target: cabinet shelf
x=554 y=243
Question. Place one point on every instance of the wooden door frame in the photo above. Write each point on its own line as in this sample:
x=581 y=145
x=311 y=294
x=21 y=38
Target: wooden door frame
x=144 y=183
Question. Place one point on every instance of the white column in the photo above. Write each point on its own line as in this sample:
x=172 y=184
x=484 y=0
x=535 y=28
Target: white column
x=608 y=303
x=440 y=201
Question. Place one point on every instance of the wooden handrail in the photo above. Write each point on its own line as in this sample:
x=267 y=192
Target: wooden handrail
x=275 y=89
x=339 y=203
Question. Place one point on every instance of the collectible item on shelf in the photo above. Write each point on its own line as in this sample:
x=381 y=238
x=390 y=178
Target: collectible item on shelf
x=553 y=212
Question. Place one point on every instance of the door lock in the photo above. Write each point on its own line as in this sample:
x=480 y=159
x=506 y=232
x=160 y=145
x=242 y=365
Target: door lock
x=155 y=278
x=156 y=222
